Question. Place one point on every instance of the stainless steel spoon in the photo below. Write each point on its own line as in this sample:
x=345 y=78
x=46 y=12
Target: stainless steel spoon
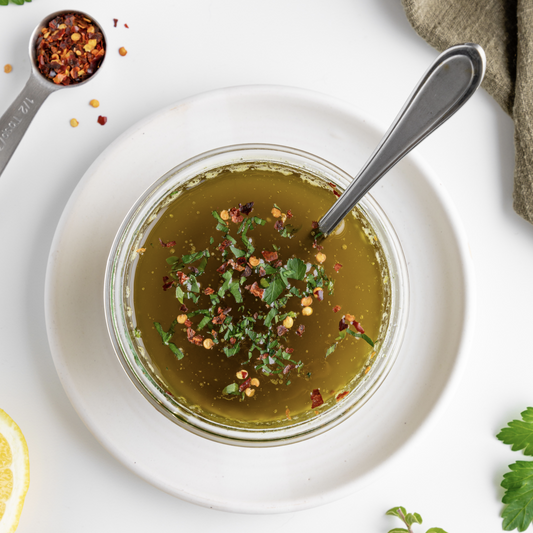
x=450 y=81
x=20 y=113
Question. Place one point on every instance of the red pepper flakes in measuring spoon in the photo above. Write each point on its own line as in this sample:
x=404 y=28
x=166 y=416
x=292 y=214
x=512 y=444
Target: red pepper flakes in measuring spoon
x=70 y=49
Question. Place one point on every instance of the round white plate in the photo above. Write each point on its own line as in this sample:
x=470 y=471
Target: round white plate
x=285 y=478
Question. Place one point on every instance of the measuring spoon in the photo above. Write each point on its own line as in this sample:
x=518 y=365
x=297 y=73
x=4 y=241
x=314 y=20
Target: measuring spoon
x=20 y=113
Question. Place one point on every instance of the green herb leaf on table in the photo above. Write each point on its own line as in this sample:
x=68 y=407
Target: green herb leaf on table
x=409 y=519
x=518 y=483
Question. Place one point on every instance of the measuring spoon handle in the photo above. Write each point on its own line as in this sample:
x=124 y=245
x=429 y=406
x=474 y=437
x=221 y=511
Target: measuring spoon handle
x=18 y=116
x=450 y=81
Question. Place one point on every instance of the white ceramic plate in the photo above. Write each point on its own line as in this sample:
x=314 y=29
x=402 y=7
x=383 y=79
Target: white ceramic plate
x=285 y=478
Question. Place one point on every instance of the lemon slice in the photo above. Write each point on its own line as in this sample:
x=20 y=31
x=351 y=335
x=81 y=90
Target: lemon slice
x=14 y=473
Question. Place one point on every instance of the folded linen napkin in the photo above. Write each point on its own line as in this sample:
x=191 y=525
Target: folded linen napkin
x=504 y=28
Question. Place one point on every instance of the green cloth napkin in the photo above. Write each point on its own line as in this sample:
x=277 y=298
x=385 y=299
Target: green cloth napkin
x=504 y=28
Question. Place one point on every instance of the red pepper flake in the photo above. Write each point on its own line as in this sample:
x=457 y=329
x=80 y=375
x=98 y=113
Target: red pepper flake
x=198 y=340
x=102 y=120
x=316 y=399
x=337 y=194
x=278 y=225
x=358 y=326
x=182 y=277
x=282 y=330
x=190 y=334
x=222 y=268
x=167 y=283
x=314 y=224
x=288 y=368
x=235 y=265
x=337 y=308
x=245 y=384
x=256 y=290
x=188 y=323
x=184 y=308
x=337 y=267
x=319 y=294
x=126 y=26
x=168 y=244
x=332 y=185
x=232 y=341
x=289 y=214
x=289 y=350
x=262 y=272
x=278 y=264
x=246 y=209
x=194 y=270
x=341 y=395
x=115 y=22
x=223 y=245
x=269 y=256
x=235 y=215
x=208 y=291
x=288 y=414
x=70 y=49
x=342 y=324
x=300 y=331
x=317 y=246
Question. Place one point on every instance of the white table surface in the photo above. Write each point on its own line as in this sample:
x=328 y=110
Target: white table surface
x=362 y=52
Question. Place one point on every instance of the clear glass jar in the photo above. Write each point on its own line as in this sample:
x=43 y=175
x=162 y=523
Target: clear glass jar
x=118 y=298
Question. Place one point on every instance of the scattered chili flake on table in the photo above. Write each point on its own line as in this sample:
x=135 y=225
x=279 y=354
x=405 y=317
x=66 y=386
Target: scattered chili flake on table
x=74 y=123
x=126 y=26
x=8 y=68
x=115 y=22
x=94 y=103
x=70 y=49
x=102 y=120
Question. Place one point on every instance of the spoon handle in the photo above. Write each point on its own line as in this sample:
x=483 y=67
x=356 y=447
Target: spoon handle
x=18 y=116
x=450 y=81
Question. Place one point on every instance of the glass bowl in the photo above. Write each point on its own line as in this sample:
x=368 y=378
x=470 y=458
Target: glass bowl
x=119 y=309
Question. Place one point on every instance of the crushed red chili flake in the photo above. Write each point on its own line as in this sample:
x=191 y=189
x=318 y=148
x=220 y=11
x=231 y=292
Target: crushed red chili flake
x=341 y=395
x=316 y=399
x=289 y=214
x=319 y=294
x=194 y=270
x=245 y=384
x=188 y=323
x=126 y=26
x=337 y=267
x=223 y=245
x=317 y=246
x=184 y=308
x=288 y=368
x=233 y=340
x=115 y=22
x=289 y=350
x=70 y=49
x=358 y=326
x=255 y=289
x=167 y=283
x=246 y=209
x=168 y=244
x=235 y=215
x=337 y=308
x=208 y=291
x=190 y=334
x=269 y=256
x=314 y=224
x=235 y=265
x=182 y=277
x=222 y=268
x=198 y=340
x=278 y=225
x=337 y=194
x=342 y=324
x=282 y=330
x=262 y=272
x=102 y=120
x=332 y=185
x=300 y=331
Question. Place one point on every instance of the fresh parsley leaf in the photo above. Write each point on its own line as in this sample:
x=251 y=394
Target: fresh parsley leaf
x=231 y=389
x=331 y=349
x=274 y=290
x=519 y=481
x=409 y=519
x=176 y=351
x=297 y=266
x=179 y=294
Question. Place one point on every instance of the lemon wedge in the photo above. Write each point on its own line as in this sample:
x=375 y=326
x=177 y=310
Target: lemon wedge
x=14 y=473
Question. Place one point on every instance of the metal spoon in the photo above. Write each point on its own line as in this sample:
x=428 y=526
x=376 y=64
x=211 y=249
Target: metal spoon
x=449 y=82
x=20 y=113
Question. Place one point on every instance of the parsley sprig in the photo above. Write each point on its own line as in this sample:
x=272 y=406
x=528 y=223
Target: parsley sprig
x=409 y=519
x=518 y=483
x=18 y=2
